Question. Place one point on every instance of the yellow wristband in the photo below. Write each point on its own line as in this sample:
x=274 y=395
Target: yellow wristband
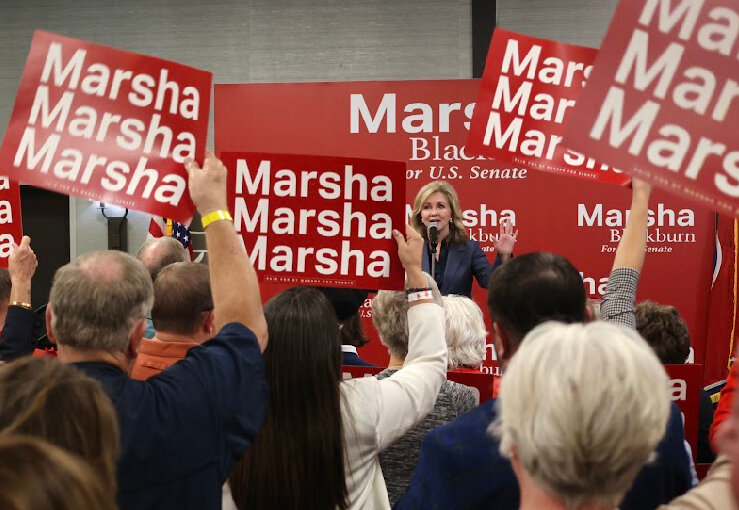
x=215 y=216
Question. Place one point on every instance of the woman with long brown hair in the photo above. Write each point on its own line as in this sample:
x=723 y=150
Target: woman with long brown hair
x=318 y=447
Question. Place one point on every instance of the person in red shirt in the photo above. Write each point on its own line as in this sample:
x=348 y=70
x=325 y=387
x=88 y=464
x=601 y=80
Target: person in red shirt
x=723 y=409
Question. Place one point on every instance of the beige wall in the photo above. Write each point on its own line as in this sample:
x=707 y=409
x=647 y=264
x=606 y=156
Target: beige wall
x=246 y=41
x=582 y=22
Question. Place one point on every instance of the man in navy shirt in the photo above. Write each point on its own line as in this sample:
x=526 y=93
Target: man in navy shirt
x=459 y=464
x=181 y=430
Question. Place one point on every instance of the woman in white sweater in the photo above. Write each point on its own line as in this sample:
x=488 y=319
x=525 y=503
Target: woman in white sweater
x=319 y=445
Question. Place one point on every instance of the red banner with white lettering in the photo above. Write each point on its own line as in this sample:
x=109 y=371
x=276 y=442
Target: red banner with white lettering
x=11 y=227
x=105 y=124
x=661 y=102
x=320 y=221
x=685 y=386
x=576 y=218
x=527 y=93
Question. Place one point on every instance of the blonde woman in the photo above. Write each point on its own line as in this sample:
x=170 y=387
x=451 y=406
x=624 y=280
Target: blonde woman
x=567 y=414
x=456 y=258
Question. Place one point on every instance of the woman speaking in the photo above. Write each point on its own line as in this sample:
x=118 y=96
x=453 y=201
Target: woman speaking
x=450 y=256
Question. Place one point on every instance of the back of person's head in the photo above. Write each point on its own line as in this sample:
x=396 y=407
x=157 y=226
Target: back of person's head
x=46 y=399
x=390 y=318
x=35 y=474
x=298 y=459
x=182 y=298
x=96 y=301
x=158 y=252
x=664 y=330
x=582 y=408
x=531 y=289
x=352 y=332
x=346 y=303
x=465 y=332
x=5 y=285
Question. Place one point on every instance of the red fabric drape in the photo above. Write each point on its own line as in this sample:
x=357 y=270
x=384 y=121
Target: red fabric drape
x=722 y=308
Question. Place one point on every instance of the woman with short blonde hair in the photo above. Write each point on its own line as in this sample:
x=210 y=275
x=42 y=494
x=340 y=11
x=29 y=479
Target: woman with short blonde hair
x=582 y=409
x=465 y=332
x=389 y=315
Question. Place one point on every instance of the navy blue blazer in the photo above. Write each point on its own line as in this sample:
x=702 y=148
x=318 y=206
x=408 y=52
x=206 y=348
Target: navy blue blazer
x=353 y=359
x=460 y=467
x=464 y=261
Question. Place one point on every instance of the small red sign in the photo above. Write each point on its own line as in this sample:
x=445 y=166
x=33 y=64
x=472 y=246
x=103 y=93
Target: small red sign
x=315 y=220
x=524 y=102
x=106 y=124
x=11 y=227
x=662 y=102
x=685 y=385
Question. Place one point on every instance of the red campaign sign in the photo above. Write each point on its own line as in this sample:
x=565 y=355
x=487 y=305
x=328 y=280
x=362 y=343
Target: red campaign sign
x=661 y=101
x=311 y=220
x=11 y=227
x=685 y=386
x=106 y=124
x=527 y=93
x=576 y=218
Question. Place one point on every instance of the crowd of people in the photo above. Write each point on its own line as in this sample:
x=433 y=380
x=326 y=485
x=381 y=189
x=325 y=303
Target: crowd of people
x=173 y=386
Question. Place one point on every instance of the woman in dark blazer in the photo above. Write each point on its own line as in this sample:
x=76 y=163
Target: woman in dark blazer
x=457 y=257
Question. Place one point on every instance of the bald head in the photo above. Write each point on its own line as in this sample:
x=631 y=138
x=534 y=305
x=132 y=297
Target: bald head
x=97 y=300
x=157 y=253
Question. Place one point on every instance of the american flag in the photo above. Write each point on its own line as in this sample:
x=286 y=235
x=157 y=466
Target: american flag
x=159 y=226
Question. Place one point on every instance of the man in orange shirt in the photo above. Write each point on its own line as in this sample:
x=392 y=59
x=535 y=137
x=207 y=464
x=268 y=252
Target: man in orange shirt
x=182 y=314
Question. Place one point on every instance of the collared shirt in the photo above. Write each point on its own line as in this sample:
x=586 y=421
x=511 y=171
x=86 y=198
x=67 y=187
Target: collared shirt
x=182 y=429
x=156 y=355
x=350 y=357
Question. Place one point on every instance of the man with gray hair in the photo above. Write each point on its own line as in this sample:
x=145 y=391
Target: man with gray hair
x=181 y=429
x=459 y=465
x=158 y=252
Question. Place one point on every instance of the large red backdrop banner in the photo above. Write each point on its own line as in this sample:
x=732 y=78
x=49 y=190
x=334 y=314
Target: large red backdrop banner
x=426 y=123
